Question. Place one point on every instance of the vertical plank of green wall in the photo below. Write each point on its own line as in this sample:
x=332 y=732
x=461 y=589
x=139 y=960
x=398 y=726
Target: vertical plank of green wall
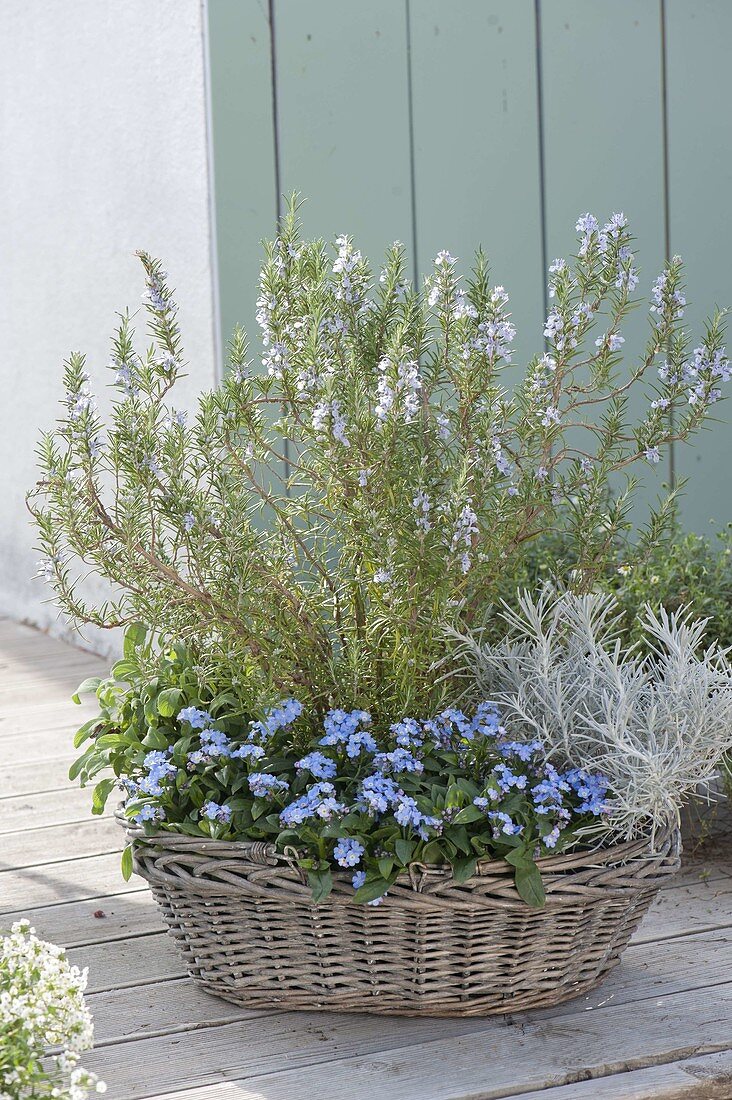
x=244 y=153
x=603 y=126
x=476 y=145
x=343 y=118
x=698 y=37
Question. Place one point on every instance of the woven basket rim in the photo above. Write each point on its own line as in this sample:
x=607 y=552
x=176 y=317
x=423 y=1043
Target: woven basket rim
x=265 y=853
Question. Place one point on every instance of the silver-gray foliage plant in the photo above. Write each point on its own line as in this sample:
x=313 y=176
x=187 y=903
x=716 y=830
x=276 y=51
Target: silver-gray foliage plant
x=655 y=725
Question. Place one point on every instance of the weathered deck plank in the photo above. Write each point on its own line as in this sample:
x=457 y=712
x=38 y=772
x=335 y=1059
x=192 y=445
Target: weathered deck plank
x=51 y=807
x=705 y=1077
x=74 y=924
x=660 y=1028
x=67 y=880
x=38 y=847
x=649 y=972
x=708 y=1077
x=312 y=1055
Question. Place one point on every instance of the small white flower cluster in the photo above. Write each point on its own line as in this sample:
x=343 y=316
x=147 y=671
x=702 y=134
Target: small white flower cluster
x=565 y=330
x=589 y=227
x=422 y=505
x=499 y=456
x=462 y=306
x=402 y=288
x=156 y=295
x=700 y=374
x=125 y=375
x=47 y=567
x=668 y=301
x=176 y=418
x=283 y=342
x=604 y=243
x=626 y=276
x=613 y=341
x=559 y=270
x=550 y=415
x=441 y=285
x=537 y=389
x=443 y=425
x=277 y=359
x=265 y=306
x=42 y=1006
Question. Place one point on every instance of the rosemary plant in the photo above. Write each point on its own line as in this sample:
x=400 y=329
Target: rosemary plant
x=317 y=519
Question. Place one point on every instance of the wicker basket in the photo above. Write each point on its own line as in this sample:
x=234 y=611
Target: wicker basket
x=245 y=922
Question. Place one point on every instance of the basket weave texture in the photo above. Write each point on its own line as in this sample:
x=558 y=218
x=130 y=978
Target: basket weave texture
x=244 y=920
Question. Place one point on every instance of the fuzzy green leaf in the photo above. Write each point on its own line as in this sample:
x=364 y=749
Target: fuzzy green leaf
x=86 y=687
x=124 y=670
x=321 y=884
x=156 y=739
x=372 y=888
x=404 y=849
x=80 y=763
x=519 y=857
x=468 y=814
x=432 y=852
x=127 y=866
x=85 y=731
x=530 y=886
x=169 y=702
x=101 y=793
x=463 y=869
x=458 y=834
x=385 y=865
x=134 y=637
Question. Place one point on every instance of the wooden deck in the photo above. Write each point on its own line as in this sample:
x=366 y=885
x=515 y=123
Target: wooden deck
x=660 y=1027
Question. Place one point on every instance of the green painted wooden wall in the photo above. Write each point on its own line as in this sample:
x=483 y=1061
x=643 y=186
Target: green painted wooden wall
x=453 y=123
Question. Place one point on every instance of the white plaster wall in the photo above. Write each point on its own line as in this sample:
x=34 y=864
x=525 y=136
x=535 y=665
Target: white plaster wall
x=103 y=150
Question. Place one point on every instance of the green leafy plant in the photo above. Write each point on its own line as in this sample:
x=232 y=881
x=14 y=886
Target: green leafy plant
x=689 y=571
x=685 y=570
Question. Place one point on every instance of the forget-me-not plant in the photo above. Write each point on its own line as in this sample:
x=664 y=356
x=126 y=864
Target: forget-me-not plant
x=341 y=794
